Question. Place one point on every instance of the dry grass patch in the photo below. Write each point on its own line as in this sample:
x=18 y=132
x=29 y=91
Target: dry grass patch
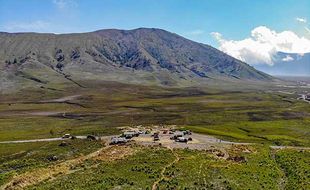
x=115 y=153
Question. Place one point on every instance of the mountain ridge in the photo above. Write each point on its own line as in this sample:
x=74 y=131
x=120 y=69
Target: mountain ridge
x=143 y=55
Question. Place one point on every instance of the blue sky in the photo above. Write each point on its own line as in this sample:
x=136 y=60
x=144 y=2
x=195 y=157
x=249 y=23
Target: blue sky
x=250 y=30
x=194 y=19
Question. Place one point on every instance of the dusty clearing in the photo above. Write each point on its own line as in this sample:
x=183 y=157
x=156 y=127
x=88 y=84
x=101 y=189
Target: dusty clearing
x=199 y=142
x=114 y=153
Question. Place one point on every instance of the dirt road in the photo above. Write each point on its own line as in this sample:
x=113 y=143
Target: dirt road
x=199 y=142
x=63 y=99
x=290 y=147
x=41 y=140
x=53 y=139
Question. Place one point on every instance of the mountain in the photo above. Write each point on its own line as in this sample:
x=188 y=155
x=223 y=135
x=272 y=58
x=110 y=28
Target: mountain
x=288 y=64
x=140 y=56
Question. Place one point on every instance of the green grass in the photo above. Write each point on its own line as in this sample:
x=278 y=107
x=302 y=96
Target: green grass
x=197 y=169
x=279 y=132
x=35 y=127
x=194 y=170
x=238 y=116
x=296 y=166
x=135 y=172
x=259 y=172
x=21 y=157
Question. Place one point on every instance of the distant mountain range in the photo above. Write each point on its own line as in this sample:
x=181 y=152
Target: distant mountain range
x=140 y=56
x=288 y=64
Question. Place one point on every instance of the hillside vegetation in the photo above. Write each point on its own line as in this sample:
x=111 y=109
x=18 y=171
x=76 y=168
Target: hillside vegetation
x=141 y=56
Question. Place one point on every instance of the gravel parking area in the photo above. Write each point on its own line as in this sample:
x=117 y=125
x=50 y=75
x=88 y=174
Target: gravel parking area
x=199 y=141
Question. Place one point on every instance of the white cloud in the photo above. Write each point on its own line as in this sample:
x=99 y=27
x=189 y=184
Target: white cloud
x=262 y=45
x=217 y=36
x=196 y=32
x=64 y=4
x=39 y=25
x=302 y=20
x=288 y=58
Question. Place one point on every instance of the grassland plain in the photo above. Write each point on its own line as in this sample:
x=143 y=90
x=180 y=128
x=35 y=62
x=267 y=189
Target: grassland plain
x=248 y=115
x=264 y=117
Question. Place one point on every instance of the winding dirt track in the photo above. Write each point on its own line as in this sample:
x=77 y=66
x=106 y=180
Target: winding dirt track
x=162 y=173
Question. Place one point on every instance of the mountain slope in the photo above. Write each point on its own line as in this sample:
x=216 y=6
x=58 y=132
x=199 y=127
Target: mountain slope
x=144 y=56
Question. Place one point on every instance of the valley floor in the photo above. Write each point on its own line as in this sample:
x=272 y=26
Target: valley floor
x=266 y=126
